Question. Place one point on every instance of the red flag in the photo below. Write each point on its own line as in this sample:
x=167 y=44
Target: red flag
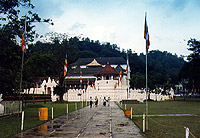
x=146 y=34
x=127 y=65
x=65 y=66
x=81 y=77
x=23 y=46
x=115 y=86
x=120 y=76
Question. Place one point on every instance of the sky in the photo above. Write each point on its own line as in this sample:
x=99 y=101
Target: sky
x=171 y=23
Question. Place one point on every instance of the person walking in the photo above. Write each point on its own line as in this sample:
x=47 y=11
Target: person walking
x=96 y=101
x=90 y=102
x=104 y=101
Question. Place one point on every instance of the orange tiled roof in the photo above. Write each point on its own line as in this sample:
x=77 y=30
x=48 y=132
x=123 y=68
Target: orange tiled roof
x=107 y=70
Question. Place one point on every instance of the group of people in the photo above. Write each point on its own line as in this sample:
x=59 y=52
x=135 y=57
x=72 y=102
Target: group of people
x=96 y=101
x=91 y=102
x=106 y=100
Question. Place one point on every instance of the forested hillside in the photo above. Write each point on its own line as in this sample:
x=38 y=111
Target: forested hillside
x=163 y=69
x=47 y=59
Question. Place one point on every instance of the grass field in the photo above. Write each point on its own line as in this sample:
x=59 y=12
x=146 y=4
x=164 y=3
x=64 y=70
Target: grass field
x=168 y=127
x=159 y=127
x=11 y=125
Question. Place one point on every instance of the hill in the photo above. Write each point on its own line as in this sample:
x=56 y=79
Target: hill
x=47 y=59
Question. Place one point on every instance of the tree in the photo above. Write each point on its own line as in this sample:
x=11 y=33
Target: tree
x=138 y=81
x=163 y=69
x=11 y=28
x=190 y=73
x=194 y=46
x=60 y=90
x=54 y=37
x=86 y=54
x=13 y=20
x=40 y=65
x=10 y=61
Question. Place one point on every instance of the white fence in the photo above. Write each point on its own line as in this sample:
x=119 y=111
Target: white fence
x=10 y=107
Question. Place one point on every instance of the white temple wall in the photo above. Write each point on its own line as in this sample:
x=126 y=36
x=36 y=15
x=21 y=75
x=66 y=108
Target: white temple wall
x=114 y=94
x=102 y=88
x=140 y=95
x=50 y=84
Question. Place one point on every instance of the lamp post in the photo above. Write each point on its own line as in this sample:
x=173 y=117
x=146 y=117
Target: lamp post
x=45 y=89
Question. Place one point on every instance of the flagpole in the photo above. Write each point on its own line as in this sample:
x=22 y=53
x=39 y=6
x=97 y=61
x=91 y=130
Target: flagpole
x=146 y=94
x=146 y=29
x=20 y=86
x=65 y=74
x=65 y=87
x=127 y=73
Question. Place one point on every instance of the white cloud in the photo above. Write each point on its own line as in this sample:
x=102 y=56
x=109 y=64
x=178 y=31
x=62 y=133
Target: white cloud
x=121 y=22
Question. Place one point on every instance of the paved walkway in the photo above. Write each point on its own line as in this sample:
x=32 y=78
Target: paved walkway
x=97 y=122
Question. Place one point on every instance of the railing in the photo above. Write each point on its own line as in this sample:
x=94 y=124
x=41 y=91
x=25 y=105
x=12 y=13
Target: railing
x=29 y=98
x=10 y=107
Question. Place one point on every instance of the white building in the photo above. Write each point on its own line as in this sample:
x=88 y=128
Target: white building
x=91 y=77
x=100 y=77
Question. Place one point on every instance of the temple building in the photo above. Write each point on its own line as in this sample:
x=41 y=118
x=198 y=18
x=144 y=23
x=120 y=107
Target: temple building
x=101 y=77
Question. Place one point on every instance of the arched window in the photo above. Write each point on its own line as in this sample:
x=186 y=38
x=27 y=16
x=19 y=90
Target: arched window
x=49 y=90
x=99 y=78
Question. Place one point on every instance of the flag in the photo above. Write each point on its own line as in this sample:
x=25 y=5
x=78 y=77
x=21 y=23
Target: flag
x=127 y=65
x=118 y=82
x=81 y=80
x=23 y=46
x=65 y=66
x=146 y=34
x=120 y=76
x=115 y=86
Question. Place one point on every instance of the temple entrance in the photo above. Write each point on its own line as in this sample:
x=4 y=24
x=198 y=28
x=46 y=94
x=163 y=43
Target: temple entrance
x=49 y=90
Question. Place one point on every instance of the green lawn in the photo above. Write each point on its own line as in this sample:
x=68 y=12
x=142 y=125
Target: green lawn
x=11 y=125
x=168 y=127
x=159 y=127
x=166 y=107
